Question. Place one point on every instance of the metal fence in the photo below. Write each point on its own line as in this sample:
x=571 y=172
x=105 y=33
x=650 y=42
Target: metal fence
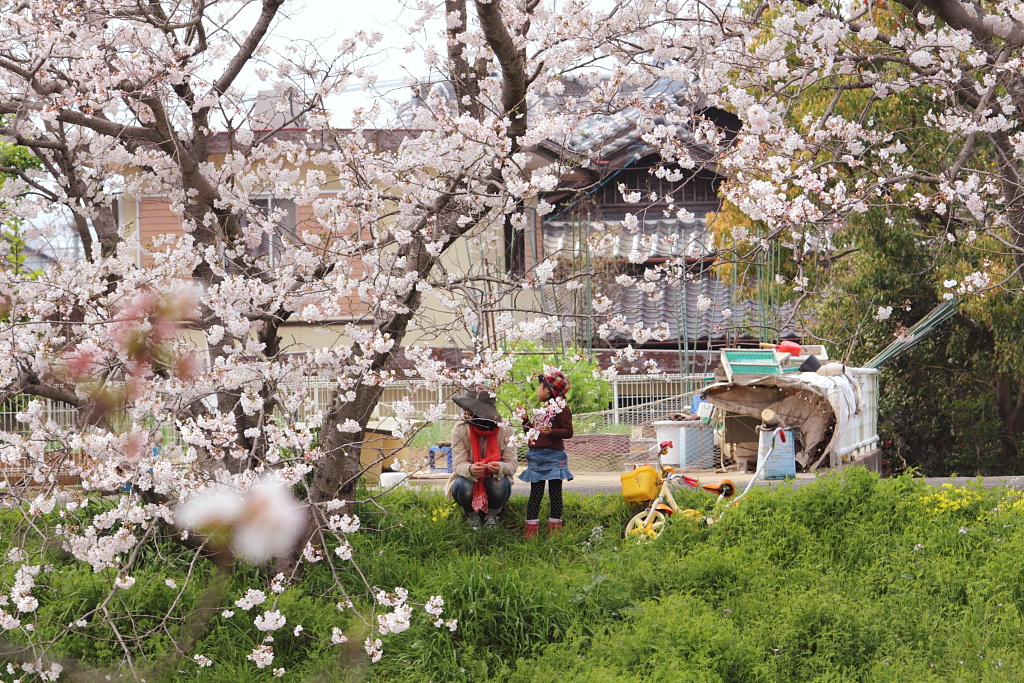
x=604 y=441
x=607 y=441
x=628 y=391
x=57 y=412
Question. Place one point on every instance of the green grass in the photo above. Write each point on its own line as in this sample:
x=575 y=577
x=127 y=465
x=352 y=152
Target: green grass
x=432 y=434
x=848 y=579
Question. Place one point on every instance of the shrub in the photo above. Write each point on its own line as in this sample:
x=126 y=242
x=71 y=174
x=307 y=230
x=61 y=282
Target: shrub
x=587 y=394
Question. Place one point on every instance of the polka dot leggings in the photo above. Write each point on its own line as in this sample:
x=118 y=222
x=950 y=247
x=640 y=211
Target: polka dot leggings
x=537 y=493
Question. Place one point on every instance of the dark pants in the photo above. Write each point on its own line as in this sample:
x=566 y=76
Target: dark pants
x=498 y=492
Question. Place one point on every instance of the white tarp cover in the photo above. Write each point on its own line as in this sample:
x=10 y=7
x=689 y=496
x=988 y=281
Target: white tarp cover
x=805 y=401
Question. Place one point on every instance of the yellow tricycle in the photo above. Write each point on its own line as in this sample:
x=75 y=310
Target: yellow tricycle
x=649 y=486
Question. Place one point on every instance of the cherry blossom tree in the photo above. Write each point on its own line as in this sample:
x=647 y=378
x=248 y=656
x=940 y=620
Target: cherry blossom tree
x=123 y=98
x=174 y=362
x=894 y=105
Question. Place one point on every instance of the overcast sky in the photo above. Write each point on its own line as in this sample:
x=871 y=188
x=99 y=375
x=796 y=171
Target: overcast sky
x=324 y=24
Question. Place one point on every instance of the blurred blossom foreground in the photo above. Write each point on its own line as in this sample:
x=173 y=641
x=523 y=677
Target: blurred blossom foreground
x=257 y=524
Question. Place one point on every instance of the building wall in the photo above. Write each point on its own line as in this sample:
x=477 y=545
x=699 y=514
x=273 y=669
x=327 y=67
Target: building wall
x=152 y=216
x=155 y=219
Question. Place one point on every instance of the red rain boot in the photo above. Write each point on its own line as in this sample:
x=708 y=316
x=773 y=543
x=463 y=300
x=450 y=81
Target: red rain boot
x=531 y=529
x=554 y=526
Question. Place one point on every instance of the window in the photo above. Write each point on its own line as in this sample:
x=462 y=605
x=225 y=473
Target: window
x=272 y=245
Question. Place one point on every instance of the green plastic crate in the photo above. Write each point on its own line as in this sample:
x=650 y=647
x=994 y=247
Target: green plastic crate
x=752 y=362
x=767 y=356
x=752 y=369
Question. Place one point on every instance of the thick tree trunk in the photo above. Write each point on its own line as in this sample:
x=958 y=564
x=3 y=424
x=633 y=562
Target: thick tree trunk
x=1010 y=403
x=337 y=472
x=105 y=224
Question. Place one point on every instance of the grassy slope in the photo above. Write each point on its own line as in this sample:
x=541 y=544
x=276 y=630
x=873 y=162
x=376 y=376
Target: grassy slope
x=851 y=578
x=819 y=583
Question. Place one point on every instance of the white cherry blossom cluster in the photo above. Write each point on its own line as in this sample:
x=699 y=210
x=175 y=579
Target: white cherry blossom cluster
x=271 y=620
x=45 y=672
x=262 y=656
x=346 y=524
x=252 y=598
x=434 y=607
x=24 y=582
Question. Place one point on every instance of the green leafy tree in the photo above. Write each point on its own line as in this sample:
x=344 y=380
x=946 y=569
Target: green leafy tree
x=955 y=404
x=14 y=159
x=952 y=403
x=587 y=393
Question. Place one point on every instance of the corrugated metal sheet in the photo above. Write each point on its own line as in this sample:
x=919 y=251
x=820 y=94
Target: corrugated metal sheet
x=676 y=306
x=674 y=303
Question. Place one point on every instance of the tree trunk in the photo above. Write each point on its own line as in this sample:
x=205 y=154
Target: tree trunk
x=1010 y=403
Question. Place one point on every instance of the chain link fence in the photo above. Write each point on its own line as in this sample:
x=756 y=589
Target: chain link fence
x=604 y=442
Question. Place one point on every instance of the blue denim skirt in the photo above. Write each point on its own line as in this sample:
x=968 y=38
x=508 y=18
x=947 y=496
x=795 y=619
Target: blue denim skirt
x=543 y=464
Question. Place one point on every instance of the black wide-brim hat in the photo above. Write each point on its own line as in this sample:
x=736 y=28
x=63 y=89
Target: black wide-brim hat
x=479 y=403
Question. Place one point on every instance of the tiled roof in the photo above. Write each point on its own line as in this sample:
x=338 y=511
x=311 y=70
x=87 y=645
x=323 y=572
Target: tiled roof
x=672 y=237
x=676 y=306
x=598 y=136
x=607 y=134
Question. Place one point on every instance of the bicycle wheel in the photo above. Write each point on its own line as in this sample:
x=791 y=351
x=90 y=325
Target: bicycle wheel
x=637 y=531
